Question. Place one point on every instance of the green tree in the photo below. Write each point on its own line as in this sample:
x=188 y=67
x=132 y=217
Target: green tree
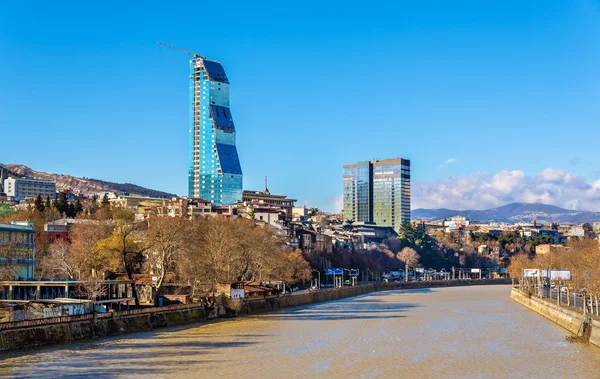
x=39 y=203
x=252 y=215
x=78 y=207
x=427 y=247
x=105 y=202
x=61 y=203
x=48 y=203
x=70 y=211
x=125 y=243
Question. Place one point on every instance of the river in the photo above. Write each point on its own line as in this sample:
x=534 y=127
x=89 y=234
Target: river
x=458 y=332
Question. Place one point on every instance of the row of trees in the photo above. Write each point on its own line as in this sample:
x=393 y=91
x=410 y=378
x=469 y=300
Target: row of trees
x=581 y=257
x=433 y=251
x=68 y=208
x=65 y=207
x=199 y=253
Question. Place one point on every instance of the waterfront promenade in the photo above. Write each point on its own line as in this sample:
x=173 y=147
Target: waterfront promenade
x=442 y=332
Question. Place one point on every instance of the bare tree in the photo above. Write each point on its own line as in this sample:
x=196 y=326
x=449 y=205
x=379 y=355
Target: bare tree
x=165 y=242
x=85 y=255
x=410 y=258
x=221 y=250
x=90 y=290
x=59 y=262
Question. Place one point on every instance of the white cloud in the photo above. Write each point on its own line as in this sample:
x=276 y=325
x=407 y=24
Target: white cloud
x=551 y=175
x=447 y=162
x=506 y=182
x=484 y=190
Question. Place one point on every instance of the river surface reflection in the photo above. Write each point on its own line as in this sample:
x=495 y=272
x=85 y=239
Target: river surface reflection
x=460 y=332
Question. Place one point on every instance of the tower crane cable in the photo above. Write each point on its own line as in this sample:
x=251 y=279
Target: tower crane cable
x=181 y=50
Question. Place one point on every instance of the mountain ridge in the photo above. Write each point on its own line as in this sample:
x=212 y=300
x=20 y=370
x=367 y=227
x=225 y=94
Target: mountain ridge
x=512 y=213
x=85 y=186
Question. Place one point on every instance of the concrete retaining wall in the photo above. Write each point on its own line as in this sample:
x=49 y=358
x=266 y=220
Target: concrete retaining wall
x=569 y=318
x=103 y=325
x=28 y=334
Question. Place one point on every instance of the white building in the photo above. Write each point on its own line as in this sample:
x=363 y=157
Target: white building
x=456 y=223
x=299 y=213
x=26 y=188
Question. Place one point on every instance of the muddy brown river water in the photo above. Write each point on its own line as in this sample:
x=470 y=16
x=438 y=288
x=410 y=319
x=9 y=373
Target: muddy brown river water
x=459 y=332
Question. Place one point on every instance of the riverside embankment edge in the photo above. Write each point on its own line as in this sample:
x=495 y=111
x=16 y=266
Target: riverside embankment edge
x=46 y=332
x=569 y=319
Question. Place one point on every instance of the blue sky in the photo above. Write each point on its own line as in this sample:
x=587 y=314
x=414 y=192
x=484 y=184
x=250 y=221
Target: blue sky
x=468 y=90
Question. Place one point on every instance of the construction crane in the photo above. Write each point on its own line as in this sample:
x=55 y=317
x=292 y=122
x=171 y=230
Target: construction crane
x=182 y=50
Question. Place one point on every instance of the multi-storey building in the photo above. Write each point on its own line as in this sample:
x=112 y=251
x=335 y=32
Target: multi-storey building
x=265 y=197
x=215 y=173
x=25 y=188
x=378 y=191
x=17 y=251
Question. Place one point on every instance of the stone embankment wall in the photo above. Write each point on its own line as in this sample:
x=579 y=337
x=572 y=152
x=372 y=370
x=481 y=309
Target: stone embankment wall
x=50 y=331
x=569 y=318
x=26 y=334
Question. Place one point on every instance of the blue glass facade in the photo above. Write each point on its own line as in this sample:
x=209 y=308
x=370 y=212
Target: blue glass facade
x=215 y=173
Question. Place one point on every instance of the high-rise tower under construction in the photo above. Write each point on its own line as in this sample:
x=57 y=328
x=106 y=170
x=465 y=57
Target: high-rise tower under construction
x=215 y=173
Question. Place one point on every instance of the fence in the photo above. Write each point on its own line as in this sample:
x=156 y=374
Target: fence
x=62 y=319
x=562 y=295
x=33 y=311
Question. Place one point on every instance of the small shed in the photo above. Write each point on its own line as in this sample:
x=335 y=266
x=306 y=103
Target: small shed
x=245 y=289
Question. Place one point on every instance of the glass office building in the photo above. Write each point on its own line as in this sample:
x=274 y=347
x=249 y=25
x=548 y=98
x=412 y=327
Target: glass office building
x=215 y=173
x=378 y=192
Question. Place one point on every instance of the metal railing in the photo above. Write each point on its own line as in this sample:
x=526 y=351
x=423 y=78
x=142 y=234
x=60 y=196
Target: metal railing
x=562 y=296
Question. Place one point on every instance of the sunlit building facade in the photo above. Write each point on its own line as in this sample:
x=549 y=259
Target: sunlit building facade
x=17 y=250
x=215 y=173
x=27 y=188
x=378 y=191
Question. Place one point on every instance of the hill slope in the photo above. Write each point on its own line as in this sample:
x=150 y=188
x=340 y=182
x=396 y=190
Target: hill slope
x=8 y=172
x=511 y=213
x=85 y=186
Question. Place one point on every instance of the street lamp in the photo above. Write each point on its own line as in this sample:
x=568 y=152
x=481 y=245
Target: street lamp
x=319 y=282
x=351 y=277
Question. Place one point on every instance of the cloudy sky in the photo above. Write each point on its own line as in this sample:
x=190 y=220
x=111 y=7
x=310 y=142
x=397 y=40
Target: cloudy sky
x=484 y=190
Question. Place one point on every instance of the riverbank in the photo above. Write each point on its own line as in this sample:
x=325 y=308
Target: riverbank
x=26 y=334
x=569 y=318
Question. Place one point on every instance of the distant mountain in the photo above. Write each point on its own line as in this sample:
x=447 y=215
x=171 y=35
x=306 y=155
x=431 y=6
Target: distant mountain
x=512 y=213
x=84 y=186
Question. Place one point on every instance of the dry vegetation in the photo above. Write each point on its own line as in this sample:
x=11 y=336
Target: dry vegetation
x=581 y=257
x=197 y=254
